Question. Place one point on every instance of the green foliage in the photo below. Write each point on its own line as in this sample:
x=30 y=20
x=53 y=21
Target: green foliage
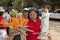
x=1 y=2
x=28 y=3
x=17 y=3
x=55 y=2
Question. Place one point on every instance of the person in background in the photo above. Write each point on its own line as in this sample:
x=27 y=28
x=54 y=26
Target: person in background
x=14 y=25
x=13 y=21
x=23 y=20
x=33 y=24
x=18 y=14
x=45 y=24
x=3 y=25
x=6 y=16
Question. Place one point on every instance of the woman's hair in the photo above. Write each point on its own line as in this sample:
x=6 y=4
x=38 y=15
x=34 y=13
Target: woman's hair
x=36 y=11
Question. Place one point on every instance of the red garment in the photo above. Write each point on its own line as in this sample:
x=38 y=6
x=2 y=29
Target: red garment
x=35 y=26
x=1 y=18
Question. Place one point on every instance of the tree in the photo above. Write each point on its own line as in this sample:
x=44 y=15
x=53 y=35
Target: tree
x=1 y=2
x=55 y=2
x=30 y=3
x=18 y=4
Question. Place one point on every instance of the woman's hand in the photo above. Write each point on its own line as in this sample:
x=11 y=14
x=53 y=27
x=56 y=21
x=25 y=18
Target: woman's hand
x=29 y=30
x=39 y=37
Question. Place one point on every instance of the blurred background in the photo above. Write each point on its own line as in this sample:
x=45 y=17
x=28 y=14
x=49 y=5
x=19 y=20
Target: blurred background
x=54 y=10
x=20 y=4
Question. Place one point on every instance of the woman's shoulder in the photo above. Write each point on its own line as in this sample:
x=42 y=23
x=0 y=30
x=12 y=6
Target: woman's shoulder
x=29 y=21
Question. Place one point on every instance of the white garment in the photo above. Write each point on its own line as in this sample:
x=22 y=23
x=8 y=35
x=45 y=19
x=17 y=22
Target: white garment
x=45 y=21
x=2 y=34
x=45 y=25
x=6 y=16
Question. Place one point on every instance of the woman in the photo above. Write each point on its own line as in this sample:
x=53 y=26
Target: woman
x=23 y=20
x=34 y=25
x=45 y=24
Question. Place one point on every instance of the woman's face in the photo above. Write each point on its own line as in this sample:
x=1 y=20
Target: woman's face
x=25 y=14
x=33 y=15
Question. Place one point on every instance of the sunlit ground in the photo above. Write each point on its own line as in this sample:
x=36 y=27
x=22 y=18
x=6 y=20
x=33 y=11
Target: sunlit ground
x=55 y=30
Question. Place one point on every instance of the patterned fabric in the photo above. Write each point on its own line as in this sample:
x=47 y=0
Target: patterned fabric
x=45 y=26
